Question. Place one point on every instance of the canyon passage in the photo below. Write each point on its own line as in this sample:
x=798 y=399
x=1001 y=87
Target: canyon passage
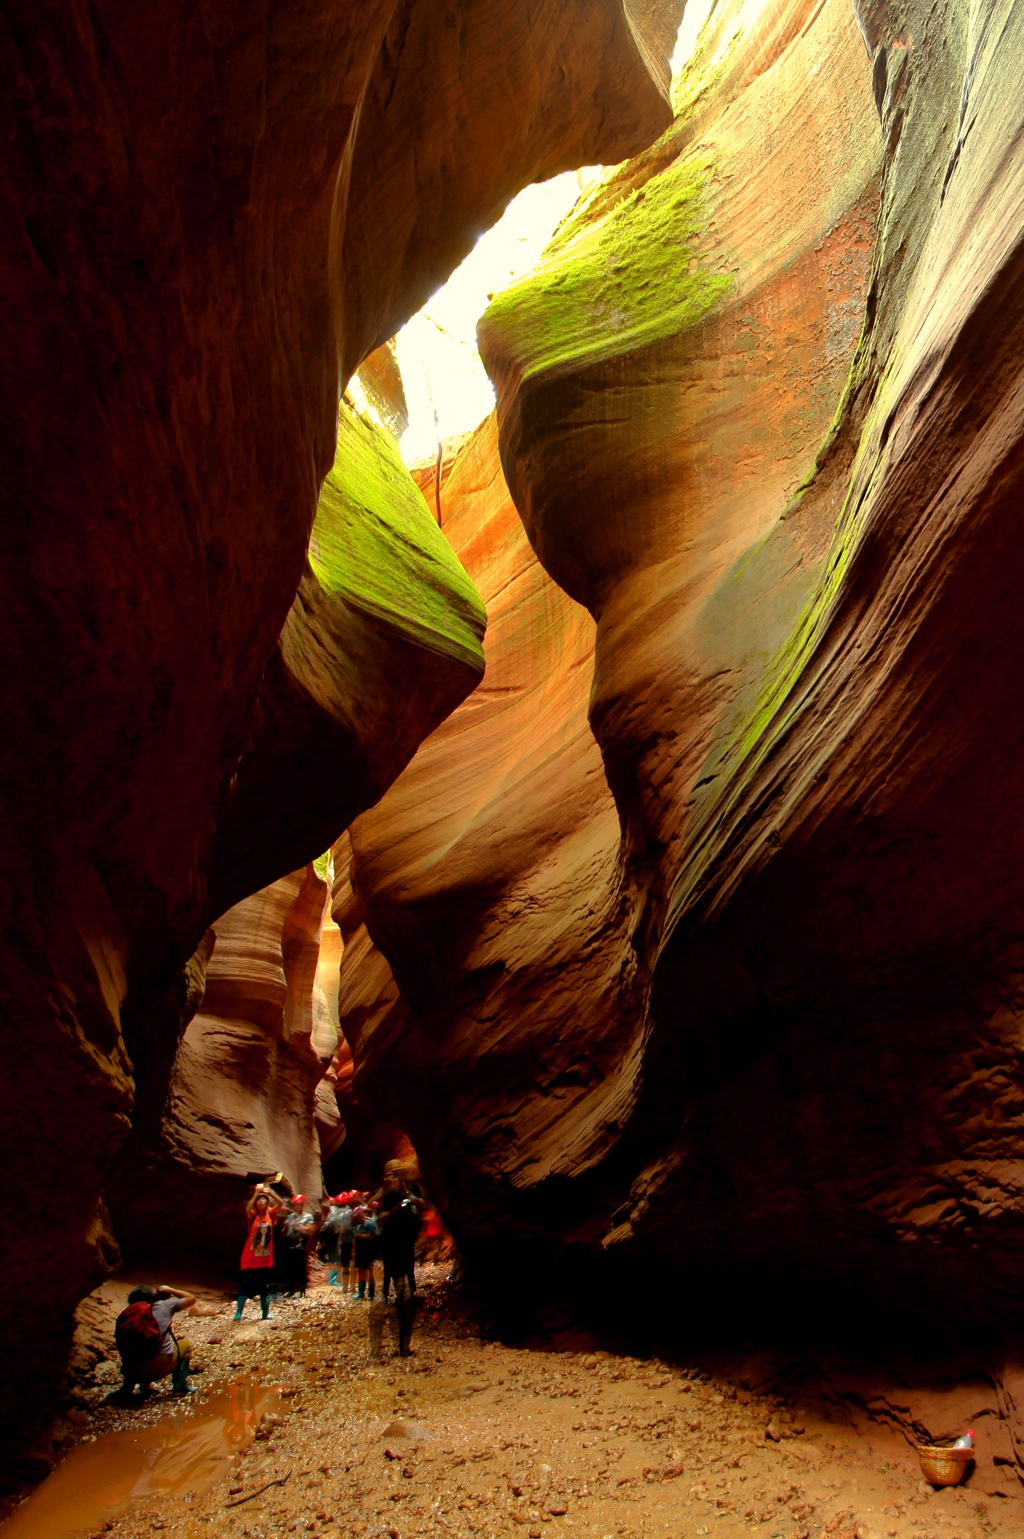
x=607 y=808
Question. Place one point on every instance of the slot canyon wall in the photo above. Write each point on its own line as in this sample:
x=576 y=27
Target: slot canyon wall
x=210 y=215
x=251 y=1089
x=687 y=944
x=488 y=877
x=754 y=1028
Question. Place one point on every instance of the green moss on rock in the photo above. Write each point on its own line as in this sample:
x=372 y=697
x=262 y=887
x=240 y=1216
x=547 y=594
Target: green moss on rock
x=376 y=544
x=623 y=282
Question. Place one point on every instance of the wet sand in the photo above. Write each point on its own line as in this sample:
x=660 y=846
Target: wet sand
x=474 y=1438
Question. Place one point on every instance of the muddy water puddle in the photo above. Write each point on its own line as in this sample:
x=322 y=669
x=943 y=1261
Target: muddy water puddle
x=182 y=1455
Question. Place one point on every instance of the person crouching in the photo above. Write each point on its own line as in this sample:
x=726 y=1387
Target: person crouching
x=148 y=1346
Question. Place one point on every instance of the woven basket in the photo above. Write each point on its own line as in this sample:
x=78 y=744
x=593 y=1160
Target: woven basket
x=944 y=1466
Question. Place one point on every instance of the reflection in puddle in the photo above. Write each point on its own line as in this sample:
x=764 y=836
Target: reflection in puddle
x=181 y=1454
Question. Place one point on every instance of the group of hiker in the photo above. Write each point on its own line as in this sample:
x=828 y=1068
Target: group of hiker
x=276 y=1249
x=356 y=1230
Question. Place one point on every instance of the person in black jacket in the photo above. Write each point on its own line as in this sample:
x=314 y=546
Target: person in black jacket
x=399 y=1227
x=399 y=1231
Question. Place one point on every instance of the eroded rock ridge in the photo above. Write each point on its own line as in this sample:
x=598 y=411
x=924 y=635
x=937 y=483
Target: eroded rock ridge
x=759 y=410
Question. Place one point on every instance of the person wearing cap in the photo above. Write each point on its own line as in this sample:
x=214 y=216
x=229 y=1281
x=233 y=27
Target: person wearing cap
x=366 y=1243
x=335 y=1249
x=393 y=1181
x=297 y=1228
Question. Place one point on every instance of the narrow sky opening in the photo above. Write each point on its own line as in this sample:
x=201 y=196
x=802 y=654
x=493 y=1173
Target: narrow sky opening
x=694 y=17
x=437 y=353
x=441 y=368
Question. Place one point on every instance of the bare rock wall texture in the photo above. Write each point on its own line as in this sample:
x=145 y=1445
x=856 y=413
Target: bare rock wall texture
x=665 y=380
x=193 y=262
x=247 y=1088
x=488 y=876
x=759 y=409
x=808 y=637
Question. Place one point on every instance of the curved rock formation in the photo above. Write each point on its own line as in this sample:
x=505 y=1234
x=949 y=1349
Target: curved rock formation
x=383 y=640
x=804 y=662
x=188 y=223
x=493 y=97
x=857 y=857
x=247 y=1089
x=687 y=321
x=487 y=875
x=798 y=553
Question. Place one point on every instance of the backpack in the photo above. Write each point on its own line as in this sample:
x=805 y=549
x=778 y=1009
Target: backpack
x=136 y=1334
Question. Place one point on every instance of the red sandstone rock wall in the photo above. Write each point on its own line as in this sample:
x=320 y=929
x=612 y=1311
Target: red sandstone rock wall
x=474 y=874
x=652 y=452
x=798 y=554
x=183 y=204
x=331 y=1130
x=248 y=1091
x=806 y=665
x=805 y=587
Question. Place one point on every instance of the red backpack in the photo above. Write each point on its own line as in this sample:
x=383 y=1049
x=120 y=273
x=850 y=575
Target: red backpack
x=136 y=1334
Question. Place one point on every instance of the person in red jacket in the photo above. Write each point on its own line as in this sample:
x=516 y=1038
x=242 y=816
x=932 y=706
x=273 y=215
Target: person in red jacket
x=431 y=1235
x=257 y=1263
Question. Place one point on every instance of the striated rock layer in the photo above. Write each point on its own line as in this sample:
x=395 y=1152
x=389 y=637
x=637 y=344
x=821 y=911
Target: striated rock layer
x=383 y=640
x=194 y=257
x=805 y=662
x=665 y=379
x=760 y=411
x=247 y=1090
x=487 y=875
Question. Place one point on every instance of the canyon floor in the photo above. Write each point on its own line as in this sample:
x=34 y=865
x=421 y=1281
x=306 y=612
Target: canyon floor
x=293 y=1431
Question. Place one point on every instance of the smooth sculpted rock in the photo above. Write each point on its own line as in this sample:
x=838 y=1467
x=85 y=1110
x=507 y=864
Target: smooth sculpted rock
x=245 y=1087
x=382 y=642
x=665 y=379
x=487 y=877
x=189 y=229
x=809 y=635
x=469 y=102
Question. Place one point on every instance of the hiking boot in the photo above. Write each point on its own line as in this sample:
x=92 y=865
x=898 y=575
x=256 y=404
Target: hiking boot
x=179 y=1379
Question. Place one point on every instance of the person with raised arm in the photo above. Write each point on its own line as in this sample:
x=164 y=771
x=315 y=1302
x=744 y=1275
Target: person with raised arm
x=146 y=1341
x=257 y=1264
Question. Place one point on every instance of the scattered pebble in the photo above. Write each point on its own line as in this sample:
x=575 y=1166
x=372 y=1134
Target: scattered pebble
x=474 y=1440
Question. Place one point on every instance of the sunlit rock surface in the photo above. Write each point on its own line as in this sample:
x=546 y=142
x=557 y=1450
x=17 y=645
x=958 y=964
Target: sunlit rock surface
x=665 y=380
x=808 y=642
x=189 y=233
x=488 y=876
x=382 y=642
x=466 y=104
x=799 y=555
x=246 y=1086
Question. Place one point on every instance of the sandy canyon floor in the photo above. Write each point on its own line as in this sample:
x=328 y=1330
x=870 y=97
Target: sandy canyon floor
x=295 y=1432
